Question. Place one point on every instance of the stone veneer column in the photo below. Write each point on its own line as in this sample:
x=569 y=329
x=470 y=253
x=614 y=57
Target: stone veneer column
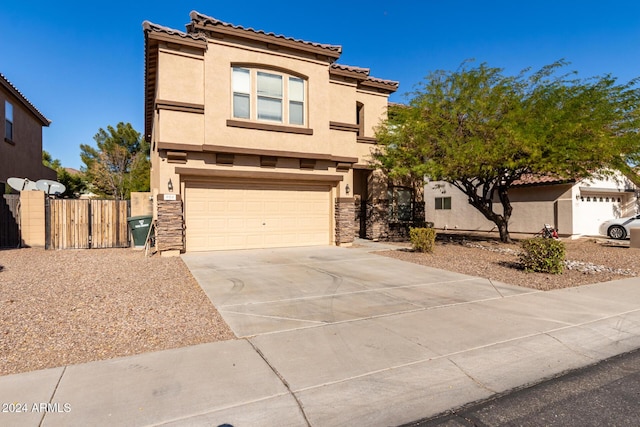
x=377 y=219
x=170 y=224
x=345 y=215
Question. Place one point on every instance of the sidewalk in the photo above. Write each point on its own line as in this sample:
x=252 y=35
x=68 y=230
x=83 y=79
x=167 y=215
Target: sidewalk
x=381 y=370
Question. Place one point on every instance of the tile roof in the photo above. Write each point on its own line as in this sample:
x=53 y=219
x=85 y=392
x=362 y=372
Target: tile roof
x=363 y=74
x=350 y=68
x=391 y=83
x=202 y=19
x=531 y=179
x=14 y=90
x=151 y=27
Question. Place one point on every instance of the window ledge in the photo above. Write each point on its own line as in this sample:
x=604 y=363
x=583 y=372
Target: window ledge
x=10 y=141
x=269 y=127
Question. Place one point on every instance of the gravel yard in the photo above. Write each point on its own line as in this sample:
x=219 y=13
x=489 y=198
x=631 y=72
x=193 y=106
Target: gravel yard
x=73 y=306
x=589 y=260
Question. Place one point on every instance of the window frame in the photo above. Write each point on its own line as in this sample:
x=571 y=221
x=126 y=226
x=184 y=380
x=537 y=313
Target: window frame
x=8 y=121
x=285 y=98
x=396 y=213
x=442 y=203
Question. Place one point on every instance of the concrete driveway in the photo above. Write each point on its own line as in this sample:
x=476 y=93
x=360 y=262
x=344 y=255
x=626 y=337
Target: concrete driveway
x=361 y=339
x=275 y=290
x=334 y=336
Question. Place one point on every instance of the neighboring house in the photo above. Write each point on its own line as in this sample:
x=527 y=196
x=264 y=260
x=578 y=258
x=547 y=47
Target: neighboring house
x=21 y=129
x=265 y=138
x=575 y=208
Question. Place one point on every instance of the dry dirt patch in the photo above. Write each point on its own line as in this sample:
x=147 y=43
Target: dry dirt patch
x=597 y=261
x=73 y=306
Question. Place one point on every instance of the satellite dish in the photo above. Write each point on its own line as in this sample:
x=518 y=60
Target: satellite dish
x=21 y=184
x=50 y=187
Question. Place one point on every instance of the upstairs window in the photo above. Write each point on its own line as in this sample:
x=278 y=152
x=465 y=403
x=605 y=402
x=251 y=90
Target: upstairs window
x=8 y=120
x=296 y=101
x=268 y=96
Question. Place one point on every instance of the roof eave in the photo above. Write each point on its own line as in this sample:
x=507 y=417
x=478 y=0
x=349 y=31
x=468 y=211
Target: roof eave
x=154 y=35
x=216 y=29
x=23 y=100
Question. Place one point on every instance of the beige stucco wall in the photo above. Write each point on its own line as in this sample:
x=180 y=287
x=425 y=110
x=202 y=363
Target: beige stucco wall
x=141 y=203
x=191 y=78
x=182 y=76
x=32 y=219
x=564 y=206
x=532 y=207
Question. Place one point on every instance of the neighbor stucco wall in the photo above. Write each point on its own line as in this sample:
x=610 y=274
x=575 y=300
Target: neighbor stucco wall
x=22 y=156
x=532 y=207
x=575 y=209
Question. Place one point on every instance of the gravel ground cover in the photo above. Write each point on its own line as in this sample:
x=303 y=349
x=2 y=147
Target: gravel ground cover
x=588 y=260
x=73 y=306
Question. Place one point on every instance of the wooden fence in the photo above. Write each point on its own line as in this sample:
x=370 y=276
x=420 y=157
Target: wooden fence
x=9 y=221
x=84 y=224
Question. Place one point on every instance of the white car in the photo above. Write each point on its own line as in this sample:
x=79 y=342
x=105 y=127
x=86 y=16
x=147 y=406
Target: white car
x=619 y=228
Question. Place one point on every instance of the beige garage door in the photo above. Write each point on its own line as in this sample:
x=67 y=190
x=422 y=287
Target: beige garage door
x=251 y=215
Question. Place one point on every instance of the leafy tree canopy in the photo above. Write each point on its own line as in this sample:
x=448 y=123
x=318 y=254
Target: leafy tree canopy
x=481 y=130
x=119 y=164
x=74 y=183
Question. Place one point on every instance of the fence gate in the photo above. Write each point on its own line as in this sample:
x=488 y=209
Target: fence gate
x=9 y=221
x=83 y=224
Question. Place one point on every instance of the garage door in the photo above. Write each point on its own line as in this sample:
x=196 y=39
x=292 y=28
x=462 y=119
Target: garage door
x=252 y=215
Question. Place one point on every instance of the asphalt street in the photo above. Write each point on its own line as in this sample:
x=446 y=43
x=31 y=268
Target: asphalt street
x=604 y=394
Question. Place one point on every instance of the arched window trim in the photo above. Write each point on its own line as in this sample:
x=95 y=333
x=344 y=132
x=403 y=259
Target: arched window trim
x=270 y=94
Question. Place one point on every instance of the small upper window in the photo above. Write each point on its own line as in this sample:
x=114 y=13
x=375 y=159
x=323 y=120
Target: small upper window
x=443 y=203
x=360 y=118
x=268 y=96
x=8 y=120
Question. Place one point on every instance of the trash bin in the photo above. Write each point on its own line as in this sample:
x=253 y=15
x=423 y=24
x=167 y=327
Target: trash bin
x=139 y=226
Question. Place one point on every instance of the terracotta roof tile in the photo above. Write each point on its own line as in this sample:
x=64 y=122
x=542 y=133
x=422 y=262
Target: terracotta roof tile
x=150 y=26
x=350 y=68
x=531 y=179
x=11 y=88
x=363 y=74
x=202 y=19
x=391 y=83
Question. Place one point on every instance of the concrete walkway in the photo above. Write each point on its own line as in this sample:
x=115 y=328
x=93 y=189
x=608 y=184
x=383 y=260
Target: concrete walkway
x=335 y=336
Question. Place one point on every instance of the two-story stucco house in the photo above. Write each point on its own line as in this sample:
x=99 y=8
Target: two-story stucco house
x=21 y=130
x=264 y=138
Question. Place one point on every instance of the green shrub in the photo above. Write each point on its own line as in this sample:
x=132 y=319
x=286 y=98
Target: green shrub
x=423 y=239
x=543 y=255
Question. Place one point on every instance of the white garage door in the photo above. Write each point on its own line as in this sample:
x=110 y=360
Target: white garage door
x=251 y=215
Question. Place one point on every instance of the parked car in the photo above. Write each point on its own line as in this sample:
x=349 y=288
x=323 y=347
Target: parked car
x=619 y=228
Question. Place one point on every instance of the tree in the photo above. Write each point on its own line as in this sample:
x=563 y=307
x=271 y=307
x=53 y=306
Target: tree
x=120 y=163
x=74 y=183
x=481 y=130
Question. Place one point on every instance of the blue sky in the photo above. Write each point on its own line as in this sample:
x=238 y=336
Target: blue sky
x=82 y=63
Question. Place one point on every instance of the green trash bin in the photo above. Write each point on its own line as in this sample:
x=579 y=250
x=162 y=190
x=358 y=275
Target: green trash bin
x=139 y=226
